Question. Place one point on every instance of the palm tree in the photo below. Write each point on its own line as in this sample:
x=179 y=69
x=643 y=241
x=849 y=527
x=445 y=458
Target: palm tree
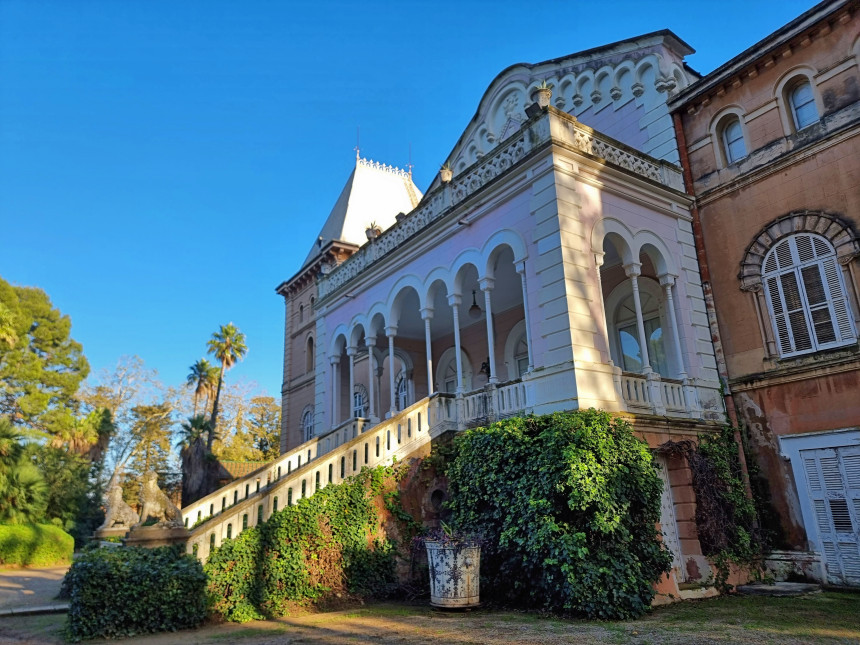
x=22 y=488
x=192 y=430
x=202 y=377
x=228 y=346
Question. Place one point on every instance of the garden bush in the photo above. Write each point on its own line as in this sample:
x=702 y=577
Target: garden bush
x=126 y=591
x=567 y=505
x=35 y=545
x=329 y=543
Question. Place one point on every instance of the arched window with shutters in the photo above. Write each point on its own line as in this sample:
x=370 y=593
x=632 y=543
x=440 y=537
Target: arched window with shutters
x=806 y=295
x=802 y=101
x=360 y=401
x=308 y=423
x=401 y=389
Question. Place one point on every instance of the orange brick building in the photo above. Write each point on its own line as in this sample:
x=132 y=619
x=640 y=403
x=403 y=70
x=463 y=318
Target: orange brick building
x=770 y=144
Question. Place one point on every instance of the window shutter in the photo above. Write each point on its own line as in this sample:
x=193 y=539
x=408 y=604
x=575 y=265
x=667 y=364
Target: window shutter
x=778 y=312
x=804 y=289
x=837 y=295
x=794 y=310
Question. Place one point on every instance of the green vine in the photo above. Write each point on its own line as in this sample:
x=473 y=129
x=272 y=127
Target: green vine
x=325 y=545
x=726 y=516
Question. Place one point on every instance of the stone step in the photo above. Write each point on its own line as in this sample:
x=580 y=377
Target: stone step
x=779 y=589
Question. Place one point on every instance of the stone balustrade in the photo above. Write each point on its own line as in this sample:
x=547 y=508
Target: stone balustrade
x=675 y=398
x=228 y=511
x=532 y=135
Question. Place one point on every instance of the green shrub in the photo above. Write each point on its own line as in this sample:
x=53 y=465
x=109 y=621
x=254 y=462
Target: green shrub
x=35 y=545
x=126 y=591
x=567 y=504
x=325 y=544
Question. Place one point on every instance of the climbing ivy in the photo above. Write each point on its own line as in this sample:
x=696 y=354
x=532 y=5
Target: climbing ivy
x=726 y=516
x=327 y=544
x=568 y=505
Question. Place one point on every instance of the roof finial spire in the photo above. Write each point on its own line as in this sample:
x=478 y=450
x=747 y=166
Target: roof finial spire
x=409 y=165
x=357 y=142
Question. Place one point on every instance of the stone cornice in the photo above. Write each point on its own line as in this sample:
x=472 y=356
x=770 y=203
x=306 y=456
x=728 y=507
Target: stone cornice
x=549 y=125
x=801 y=368
x=766 y=53
x=775 y=159
x=334 y=253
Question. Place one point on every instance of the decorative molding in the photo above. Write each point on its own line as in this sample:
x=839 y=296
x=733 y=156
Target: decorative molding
x=534 y=134
x=837 y=230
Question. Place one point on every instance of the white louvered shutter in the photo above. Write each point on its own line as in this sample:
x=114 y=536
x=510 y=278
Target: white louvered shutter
x=833 y=483
x=806 y=296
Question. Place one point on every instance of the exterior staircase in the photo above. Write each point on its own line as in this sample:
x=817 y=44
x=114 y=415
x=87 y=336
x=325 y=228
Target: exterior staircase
x=316 y=463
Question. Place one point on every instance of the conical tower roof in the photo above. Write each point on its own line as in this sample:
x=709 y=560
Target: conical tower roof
x=374 y=193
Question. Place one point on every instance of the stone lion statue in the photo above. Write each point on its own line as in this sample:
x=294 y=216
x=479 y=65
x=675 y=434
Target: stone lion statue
x=157 y=506
x=118 y=513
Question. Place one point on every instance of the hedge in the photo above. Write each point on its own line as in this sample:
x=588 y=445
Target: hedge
x=132 y=590
x=567 y=504
x=35 y=545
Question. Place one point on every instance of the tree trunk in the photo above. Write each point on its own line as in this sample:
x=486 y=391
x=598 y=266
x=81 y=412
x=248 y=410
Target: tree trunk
x=194 y=480
x=213 y=420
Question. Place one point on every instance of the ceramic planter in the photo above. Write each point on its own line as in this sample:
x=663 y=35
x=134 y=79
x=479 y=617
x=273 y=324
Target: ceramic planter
x=454 y=575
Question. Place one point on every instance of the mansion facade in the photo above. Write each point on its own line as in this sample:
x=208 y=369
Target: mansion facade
x=677 y=249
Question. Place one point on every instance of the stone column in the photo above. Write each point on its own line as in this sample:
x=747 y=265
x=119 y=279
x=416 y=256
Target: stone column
x=427 y=316
x=487 y=286
x=691 y=398
x=455 y=300
x=334 y=361
x=370 y=341
x=521 y=269
x=666 y=281
x=351 y=352
x=391 y=332
x=633 y=271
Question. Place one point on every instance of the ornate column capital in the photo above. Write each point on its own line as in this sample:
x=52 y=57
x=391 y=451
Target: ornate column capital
x=391 y=331
x=633 y=269
x=455 y=299
x=486 y=284
x=667 y=279
x=427 y=313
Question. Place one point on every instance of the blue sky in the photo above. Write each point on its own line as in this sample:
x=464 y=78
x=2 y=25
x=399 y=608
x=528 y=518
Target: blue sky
x=164 y=165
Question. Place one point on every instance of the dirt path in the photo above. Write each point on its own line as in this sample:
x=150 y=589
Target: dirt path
x=30 y=587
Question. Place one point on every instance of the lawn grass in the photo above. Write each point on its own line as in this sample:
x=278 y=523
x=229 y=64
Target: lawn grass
x=825 y=618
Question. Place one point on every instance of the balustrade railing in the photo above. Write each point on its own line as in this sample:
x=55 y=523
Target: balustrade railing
x=511 y=399
x=634 y=390
x=222 y=514
x=673 y=396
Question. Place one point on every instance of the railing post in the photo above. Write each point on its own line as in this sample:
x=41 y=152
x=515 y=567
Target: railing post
x=655 y=392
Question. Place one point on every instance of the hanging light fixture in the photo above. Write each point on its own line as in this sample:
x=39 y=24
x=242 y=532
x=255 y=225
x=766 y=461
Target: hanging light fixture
x=474 y=310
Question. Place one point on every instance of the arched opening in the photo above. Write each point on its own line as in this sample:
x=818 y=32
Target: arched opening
x=640 y=341
x=309 y=354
